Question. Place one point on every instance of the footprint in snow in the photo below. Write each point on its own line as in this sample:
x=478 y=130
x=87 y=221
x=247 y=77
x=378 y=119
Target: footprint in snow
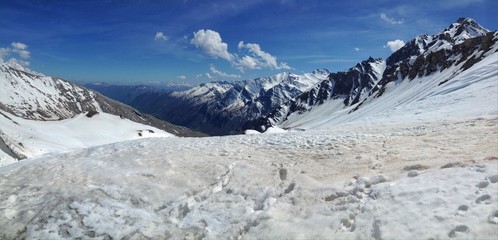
x=290 y=188
x=458 y=230
x=348 y=223
x=282 y=173
x=462 y=209
x=486 y=198
x=493 y=178
x=482 y=184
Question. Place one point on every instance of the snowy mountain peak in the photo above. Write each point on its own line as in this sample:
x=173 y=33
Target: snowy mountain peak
x=445 y=54
x=15 y=65
x=462 y=29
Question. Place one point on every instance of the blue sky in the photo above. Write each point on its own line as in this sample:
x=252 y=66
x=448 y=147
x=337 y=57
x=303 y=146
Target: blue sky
x=130 y=42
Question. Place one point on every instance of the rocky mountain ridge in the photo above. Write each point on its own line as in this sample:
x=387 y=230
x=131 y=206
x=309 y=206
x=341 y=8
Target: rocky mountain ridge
x=220 y=108
x=30 y=95
x=461 y=45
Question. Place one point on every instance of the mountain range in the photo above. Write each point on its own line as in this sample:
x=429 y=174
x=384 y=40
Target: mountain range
x=220 y=108
x=426 y=67
x=33 y=101
x=400 y=148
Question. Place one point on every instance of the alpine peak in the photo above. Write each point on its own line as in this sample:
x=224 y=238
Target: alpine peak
x=462 y=29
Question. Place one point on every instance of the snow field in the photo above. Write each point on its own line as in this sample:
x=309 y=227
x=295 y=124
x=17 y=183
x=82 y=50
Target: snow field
x=379 y=181
x=32 y=138
x=469 y=94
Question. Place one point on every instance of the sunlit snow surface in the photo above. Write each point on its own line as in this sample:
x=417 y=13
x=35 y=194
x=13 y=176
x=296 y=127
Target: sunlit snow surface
x=32 y=138
x=377 y=181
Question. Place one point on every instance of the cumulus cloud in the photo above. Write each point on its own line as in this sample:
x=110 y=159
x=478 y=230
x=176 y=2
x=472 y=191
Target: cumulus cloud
x=209 y=76
x=160 y=37
x=356 y=49
x=222 y=74
x=182 y=77
x=211 y=43
x=390 y=20
x=18 y=45
x=16 y=48
x=253 y=57
x=247 y=63
x=21 y=49
x=259 y=58
x=395 y=45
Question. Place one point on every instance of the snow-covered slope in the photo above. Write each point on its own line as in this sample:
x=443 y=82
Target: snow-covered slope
x=221 y=108
x=459 y=63
x=31 y=138
x=471 y=93
x=423 y=180
x=35 y=96
x=32 y=95
x=34 y=106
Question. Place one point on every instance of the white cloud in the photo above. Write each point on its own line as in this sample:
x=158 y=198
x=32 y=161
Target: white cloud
x=160 y=37
x=356 y=49
x=182 y=77
x=247 y=63
x=210 y=42
x=24 y=54
x=18 y=48
x=390 y=20
x=21 y=50
x=209 y=76
x=259 y=58
x=395 y=45
x=255 y=58
x=222 y=74
x=198 y=75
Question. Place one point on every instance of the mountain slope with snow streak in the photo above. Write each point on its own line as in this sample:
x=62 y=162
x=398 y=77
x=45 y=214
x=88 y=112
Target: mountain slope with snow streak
x=472 y=93
x=36 y=96
x=463 y=55
x=32 y=95
x=41 y=114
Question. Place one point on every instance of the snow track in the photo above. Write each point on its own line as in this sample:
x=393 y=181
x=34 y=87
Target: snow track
x=380 y=181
